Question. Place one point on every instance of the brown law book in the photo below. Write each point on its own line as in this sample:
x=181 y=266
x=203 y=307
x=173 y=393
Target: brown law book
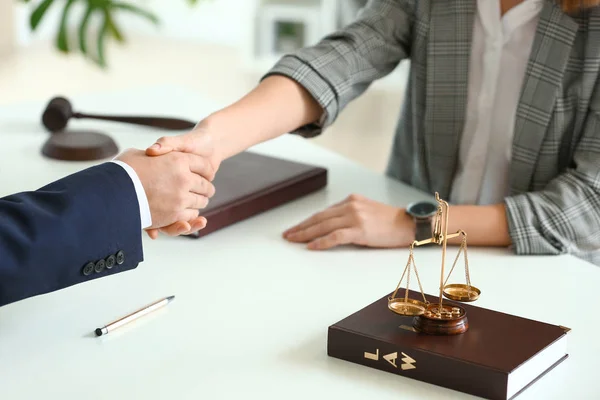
x=250 y=183
x=497 y=358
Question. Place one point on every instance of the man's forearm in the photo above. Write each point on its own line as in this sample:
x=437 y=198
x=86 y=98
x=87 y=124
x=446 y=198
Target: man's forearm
x=278 y=105
x=484 y=225
x=45 y=238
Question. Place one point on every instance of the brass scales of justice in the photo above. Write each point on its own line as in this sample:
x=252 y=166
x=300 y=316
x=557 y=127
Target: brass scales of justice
x=437 y=318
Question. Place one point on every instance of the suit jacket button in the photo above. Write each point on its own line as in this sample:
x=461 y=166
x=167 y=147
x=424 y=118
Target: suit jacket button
x=88 y=269
x=100 y=266
x=110 y=261
x=120 y=257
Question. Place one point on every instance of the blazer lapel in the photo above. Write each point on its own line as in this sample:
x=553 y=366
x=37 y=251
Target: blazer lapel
x=551 y=48
x=591 y=65
x=449 y=51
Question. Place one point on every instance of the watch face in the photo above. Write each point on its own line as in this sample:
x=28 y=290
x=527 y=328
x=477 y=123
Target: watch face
x=422 y=209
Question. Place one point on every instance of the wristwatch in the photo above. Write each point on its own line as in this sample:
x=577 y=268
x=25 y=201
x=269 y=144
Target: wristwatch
x=422 y=212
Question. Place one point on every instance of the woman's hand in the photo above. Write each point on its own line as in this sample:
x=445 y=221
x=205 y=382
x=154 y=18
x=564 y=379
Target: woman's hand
x=356 y=220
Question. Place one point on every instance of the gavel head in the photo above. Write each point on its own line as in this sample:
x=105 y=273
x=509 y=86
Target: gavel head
x=57 y=114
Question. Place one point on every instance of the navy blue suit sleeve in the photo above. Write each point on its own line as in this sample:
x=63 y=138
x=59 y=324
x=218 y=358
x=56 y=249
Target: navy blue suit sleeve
x=52 y=237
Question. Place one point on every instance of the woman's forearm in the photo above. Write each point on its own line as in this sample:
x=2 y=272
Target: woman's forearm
x=484 y=225
x=276 y=106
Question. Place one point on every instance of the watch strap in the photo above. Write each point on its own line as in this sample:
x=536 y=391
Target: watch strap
x=424 y=230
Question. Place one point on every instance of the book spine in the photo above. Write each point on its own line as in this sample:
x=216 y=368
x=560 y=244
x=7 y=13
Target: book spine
x=417 y=364
x=261 y=202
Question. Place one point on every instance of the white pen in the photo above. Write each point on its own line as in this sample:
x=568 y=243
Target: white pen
x=133 y=316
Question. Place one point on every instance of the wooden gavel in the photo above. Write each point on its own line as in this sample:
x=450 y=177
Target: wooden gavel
x=86 y=145
x=59 y=111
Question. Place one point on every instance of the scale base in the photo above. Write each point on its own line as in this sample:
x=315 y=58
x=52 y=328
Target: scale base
x=452 y=320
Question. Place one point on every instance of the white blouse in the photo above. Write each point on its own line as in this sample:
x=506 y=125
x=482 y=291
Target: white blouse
x=499 y=56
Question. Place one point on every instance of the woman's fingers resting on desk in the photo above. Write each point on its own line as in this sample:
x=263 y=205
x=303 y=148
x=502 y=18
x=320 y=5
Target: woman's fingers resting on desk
x=356 y=220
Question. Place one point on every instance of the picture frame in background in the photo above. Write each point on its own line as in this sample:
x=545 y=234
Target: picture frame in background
x=284 y=28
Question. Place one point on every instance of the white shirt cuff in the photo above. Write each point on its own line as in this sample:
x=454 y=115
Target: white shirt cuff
x=145 y=215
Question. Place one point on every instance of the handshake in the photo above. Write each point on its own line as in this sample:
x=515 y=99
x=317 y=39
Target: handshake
x=176 y=174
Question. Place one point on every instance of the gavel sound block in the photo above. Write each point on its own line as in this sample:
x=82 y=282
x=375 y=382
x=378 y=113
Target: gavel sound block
x=80 y=145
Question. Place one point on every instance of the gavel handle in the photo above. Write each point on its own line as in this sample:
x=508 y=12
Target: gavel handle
x=155 y=122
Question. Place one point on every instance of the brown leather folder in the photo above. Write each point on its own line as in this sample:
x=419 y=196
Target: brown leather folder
x=497 y=358
x=249 y=184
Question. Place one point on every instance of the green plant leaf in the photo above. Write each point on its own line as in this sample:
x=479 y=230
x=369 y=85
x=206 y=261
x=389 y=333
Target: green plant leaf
x=109 y=27
x=38 y=13
x=136 y=10
x=62 y=40
x=101 y=40
x=99 y=3
x=83 y=29
x=112 y=27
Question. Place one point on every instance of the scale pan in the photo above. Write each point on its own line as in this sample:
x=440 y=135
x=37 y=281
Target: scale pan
x=460 y=292
x=407 y=308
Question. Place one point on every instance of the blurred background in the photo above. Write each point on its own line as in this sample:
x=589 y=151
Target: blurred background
x=219 y=48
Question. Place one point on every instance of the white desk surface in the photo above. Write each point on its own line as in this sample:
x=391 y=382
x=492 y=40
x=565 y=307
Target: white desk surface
x=251 y=314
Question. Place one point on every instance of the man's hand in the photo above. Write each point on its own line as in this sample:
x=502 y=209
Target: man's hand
x=356 y=220
x=198 y=142
x=177 y=185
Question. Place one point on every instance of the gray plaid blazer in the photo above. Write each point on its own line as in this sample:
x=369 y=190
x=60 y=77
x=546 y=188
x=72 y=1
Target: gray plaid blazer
x=554 y=201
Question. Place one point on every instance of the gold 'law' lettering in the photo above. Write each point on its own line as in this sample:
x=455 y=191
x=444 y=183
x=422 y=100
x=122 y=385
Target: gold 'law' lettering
x=372 y=356
x=407 y=362
x=391 y=358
